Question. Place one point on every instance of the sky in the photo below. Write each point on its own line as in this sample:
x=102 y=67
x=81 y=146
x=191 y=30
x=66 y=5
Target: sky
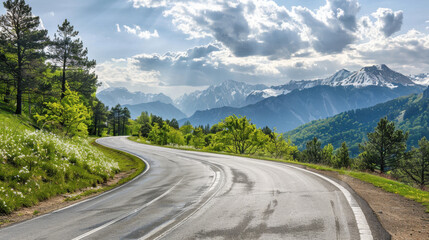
x=178 y=46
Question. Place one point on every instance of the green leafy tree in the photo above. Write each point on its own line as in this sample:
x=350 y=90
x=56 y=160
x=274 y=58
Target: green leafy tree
x=24 y=43
x=67 y=52
x=70 y=114
x=159 y=134
x=198 y=140
x=187 y=130
x=385 y=146
x=327 y=154
x=278 y=147
x=342 y=158
x=176 y=137
x=416 y=166
x=239 y=135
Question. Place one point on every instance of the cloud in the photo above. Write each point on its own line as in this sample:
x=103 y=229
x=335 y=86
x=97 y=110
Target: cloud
x=388 y=21
x=149 y=3
x=262 y=42
x=118 y=28
x=141 y=34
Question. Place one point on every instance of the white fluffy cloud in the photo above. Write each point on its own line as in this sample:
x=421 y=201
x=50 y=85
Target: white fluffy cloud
x=388 y=21
x=136 y=30
x=261 y=42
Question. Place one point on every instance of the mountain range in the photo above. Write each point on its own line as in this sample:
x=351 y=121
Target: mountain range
x=377 y=75
x=285 y=106
x=113 y=96
x=164 y=110
x=227 y=93
x=411 y=113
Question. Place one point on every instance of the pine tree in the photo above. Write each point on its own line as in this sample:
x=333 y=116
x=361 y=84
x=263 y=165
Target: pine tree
x=342 y=158
x=25 y=42
x=386 y=145
x=67 y=52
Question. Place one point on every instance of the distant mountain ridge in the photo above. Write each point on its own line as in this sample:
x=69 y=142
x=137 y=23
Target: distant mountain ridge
x=286 y=112
x=227 y=93
x=164 y=110
x=113 y=96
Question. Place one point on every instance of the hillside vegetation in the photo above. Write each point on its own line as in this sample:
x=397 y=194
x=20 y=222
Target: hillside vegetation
x=36 y=164
x=410 y=113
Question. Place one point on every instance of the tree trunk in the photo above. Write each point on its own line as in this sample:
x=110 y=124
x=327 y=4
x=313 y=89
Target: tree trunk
x=19 y=82
x=63 y=81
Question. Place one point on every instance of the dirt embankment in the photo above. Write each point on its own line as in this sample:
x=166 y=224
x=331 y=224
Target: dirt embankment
x=402 y=218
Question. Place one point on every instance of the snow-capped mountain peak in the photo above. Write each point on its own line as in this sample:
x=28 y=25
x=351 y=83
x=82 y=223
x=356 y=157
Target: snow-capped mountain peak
x=377 y=75
x=337 y=77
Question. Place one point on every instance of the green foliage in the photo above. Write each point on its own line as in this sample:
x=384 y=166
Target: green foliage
x=22 y=44
x=327 y=154
x=159 y=134
x=198 y=138
x=240 y=136
x=313 y=151
x=385 y=146
x=342 y=159
x=415 y=165
x=278 y=147
x=70 y=114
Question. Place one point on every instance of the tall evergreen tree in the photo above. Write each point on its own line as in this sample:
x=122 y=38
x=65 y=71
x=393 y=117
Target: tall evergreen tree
x=416 y=166
x=342 y=158
x=25 y=42
x=99 y=118
x=125 y=115
x=313 y=151
x=386 y=145
x=67 y=52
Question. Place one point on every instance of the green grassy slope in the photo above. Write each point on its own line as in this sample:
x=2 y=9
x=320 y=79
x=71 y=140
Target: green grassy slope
x=36 y=165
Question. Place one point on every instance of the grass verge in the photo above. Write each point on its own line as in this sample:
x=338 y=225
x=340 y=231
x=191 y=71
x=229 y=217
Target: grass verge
x=378 y=181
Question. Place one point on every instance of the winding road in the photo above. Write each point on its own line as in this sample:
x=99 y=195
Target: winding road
x=195 y=195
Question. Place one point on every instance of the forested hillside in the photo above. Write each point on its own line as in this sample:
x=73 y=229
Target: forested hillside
x=411 y=114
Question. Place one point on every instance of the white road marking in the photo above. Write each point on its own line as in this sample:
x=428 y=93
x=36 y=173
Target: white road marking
x=128 y=214
x=214 y=183
x=362 y=224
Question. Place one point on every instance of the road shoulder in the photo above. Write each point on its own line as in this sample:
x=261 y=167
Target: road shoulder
x=399 y=216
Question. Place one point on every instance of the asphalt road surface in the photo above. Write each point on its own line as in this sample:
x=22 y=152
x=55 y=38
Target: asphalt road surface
x=194 y=195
